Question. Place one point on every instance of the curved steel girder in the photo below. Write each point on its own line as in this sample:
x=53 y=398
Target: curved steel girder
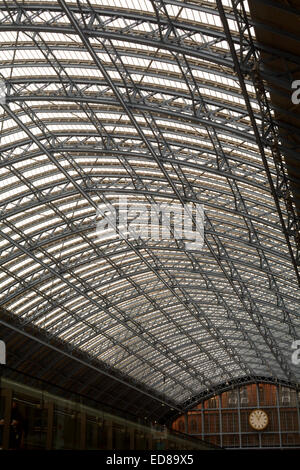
x=214 y=360
x=161 y=331
x=66 y=233
x=64 y=325
x=242 y=348
x=105 y=10
x=156 y=110
x=82 y=262
x=110 y=313
x=112 y=339
x=154 y=88
x=23 y=82
x=196 y=52
x=93 y=147
x=104 y=329
x=216 y=190
x=216 y=58
x=64 y=194
x=95 y=31
x=42 y=279
x=144 y=54
x=188 y=164
x=218 y=120
x=265 y=330
x=59 y=302
x=123 y=33
x=81 y=98
x=79 y=80
x=97 y=145
x=239 y=382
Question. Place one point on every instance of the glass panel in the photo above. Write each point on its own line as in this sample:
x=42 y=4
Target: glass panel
x=91 y=432
x=102 y=437
x=121 y=438
x=66 y=429
x=36 y=426
x=2 y=409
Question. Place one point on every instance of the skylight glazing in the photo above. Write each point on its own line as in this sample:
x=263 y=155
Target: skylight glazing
x=140 y=99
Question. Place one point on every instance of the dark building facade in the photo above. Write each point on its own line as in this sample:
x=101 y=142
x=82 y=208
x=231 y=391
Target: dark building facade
x=34 y=419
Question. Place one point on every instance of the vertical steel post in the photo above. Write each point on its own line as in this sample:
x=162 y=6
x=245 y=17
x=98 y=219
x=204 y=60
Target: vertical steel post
x=278 y=415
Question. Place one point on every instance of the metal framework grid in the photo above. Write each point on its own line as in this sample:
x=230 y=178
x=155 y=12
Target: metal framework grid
x=156 y=100
x=232 y=431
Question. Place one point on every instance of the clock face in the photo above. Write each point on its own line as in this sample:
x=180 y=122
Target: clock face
x=258 y=419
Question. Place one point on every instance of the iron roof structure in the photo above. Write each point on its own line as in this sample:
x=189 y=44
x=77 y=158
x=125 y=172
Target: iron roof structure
x=161 y=102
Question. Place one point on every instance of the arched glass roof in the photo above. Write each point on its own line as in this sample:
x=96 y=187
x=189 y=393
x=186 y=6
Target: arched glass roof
x=140 y=98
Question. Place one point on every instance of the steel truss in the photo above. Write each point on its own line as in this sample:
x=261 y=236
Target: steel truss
x=156 y=105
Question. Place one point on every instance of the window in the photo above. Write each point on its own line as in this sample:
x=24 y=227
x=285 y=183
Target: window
x=194 y=425
x=244 y=396
x=285 y=396
x=232 y=398
x=181 y=426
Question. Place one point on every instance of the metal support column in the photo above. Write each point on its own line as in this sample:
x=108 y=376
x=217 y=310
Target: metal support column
x=50 y=422
x=258 y=406
x=7 y=417
x=239 y=417
x=220 y=420
x=202 y=420
x=109 y=426
x=82 y=430
x=278 y=415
